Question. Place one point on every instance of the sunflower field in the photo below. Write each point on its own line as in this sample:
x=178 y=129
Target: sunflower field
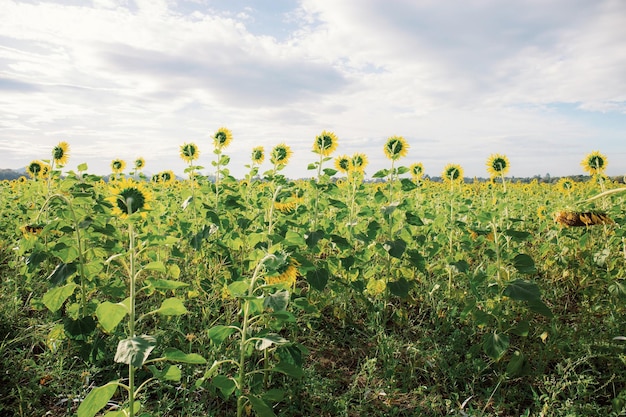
x=331 y=296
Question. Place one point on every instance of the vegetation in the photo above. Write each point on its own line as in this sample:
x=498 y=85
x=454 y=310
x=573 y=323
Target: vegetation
x=330 y=296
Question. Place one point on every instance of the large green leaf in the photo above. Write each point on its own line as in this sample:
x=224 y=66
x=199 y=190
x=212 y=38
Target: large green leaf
x=516 y=364
x=259 y=406
x=522 y=290
x=135 y=351
x=268 y=340
x=399 y=288
x=289 y=369
x=540 y=307
x=55 y=297
x=495 y=345
x=175 y=355
x=61 y=273
x=96 y=400
x=317 y=278
x=172 y=307
x=109 y=315
x=395 y=248
x=219 y=333
x=277 y=301
x=225 y=384
x=524 y=264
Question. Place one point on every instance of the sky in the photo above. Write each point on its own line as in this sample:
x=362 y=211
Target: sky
x=540 y=81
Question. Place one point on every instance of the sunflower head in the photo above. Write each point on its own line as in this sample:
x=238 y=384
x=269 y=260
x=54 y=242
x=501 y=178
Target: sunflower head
x=283 y=269
x=396 y=147
x=222 y=138
x=498 y=165
x=164 y=177
x=359 y=162
x=343 y=163
x=129 y=197
x=280 y=154
x=140 y=164
x=118 y=166
x=35 y=168
x=452 y=173
x=416 y=170
x=45 y=171
x=325 y=143
x=60 y=153
x=565 y=185
x=258 y=155
x=594 y=163
x=189 y=152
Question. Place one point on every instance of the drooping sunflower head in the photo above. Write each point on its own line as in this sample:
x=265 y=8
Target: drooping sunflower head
x=283 y=269
x=452 y=173
x=359 y=162
x=222 y=138
x=396 y=147
x=60 y=153
x=34 y=169
x=258 y=155
x=280 y=154
x=594 y=163
x=164 y=177
x=140 y=164
x=498 y=165
x=118 y=166
x=343 y=163
x=325 y=143
x=189 y=152
x=129 y=197
x=416 y=170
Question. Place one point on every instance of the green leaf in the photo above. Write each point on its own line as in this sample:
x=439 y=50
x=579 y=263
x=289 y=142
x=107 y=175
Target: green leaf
x=337 y=204
x=495 y=345
x=80 y=329
x=516 y=364
x=65 y=253
x=238 y=288
x=417 y=260
x=175 y=355
x=293 y=239
x=407 y=184
x=96 y=400
x=399 y=288
x=61 y=273
x=155 y=266
x=274 y=395
x=55 y=297
x=522 y=290
x=381 y=174
x=539 y=307
x=317 y=278
x=259 y=406
x=517 y=234
x=172 y=307
x=522 y=328
x=225 y=384
x=313 y=237
x=268 y=340
x=82 y=167
x=134 y=351
x=289 y=369
x=219 y=333
x=169 y=373
x=109 y=315
x=524 y=264
x=329 y=171
x=413 y=219
x=395 y=248
x=277 y=301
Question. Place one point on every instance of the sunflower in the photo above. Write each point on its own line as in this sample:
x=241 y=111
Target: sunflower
x=287 y=274
x=416 y=170
x=280 y=154
x=542 y=212
x=565 y=185
x=118 y=166
x=343 y=163
x=594 y=163
x=60 y=153
x=325 y=143
x=129 y=197
x=45 y=171
x=222 y=138
x=452 y=173
x=189 y=152
x=29 y=231
x=359 y=162
x=140 y=164
x=164 y=177
x=498 y=165
x=258 y=155
x=34 y=169
x=577 y=219
x=396 y=147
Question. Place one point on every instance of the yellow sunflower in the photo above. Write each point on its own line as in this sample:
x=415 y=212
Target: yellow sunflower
x=325 y=143
x=280 y=154
x=452 y=173
x=60 y=153
x=34 y=169
x=396 y=147
x=594 y=163
x=118 y=166
x=129 y=197
x=222 y=138
x=359 y=162
x=140 y=164
x=45 y=171
x=343 y=163
x=164 y=177
x=565 y=185
x=416 y=170
x=498 y=164
x=258 y=155
x=287 y=274
x=189 y=152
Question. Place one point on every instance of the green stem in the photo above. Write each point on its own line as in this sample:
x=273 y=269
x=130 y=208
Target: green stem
x=131 y=318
